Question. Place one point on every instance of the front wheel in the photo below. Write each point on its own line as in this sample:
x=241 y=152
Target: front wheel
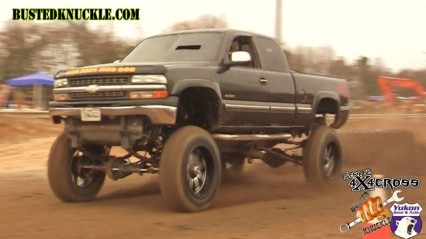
x=68 y=180
x=190 y=169
x=322 y=156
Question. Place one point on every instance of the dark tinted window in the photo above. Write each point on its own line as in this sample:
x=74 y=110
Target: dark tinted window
x=273 y=55
x=176 y=48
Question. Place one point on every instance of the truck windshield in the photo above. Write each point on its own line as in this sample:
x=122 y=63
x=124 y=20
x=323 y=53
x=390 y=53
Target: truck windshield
x=177 y=48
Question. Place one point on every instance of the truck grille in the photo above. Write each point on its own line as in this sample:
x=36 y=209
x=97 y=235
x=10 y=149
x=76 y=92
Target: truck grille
x=98 y=95
x=107 y=80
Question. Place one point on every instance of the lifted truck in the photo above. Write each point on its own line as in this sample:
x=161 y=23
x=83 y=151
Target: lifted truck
x=193 y=106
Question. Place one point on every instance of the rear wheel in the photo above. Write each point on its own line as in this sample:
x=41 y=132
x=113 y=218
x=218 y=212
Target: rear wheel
x=190 y=169
x=68 y=180
x=322 y=156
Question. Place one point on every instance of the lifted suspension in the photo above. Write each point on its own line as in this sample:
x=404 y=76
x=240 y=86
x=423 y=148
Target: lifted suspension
x=276 y=157
x=117 y=167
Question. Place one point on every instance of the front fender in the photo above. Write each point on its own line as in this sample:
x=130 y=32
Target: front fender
x=181 y=85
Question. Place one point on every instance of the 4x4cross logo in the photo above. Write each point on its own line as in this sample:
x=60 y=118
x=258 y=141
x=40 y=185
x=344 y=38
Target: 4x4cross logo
x=363 y=180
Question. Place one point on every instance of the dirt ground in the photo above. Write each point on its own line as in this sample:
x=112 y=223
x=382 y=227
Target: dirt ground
x=265 y=203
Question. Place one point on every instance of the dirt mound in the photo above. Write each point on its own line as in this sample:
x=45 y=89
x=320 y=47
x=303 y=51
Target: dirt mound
x=17 y=128
x=388 y=146
x=387 y=151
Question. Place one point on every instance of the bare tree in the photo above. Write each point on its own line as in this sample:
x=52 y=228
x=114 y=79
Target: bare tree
x=20 y=42
x=312 y=59
x=202 y=22
x=49 y=47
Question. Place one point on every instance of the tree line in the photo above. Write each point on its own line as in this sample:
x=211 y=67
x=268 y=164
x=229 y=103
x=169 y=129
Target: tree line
x=49 y=47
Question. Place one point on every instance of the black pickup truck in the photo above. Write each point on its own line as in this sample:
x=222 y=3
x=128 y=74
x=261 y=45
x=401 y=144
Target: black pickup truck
x=193 y=106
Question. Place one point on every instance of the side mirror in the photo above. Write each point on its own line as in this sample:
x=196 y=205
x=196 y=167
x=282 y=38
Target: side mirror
x=117 y=61
x=238 y=57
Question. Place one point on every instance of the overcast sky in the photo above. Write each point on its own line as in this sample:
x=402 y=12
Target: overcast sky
x=391 y=29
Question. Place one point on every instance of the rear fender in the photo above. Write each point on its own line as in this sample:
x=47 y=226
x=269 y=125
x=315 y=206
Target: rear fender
x=341 y=114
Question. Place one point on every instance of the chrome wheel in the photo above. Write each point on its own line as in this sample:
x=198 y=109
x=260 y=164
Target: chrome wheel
x=68 y=178
x=196 y=171
x=82 y=177
x=322 y=157
x=330 y=152
x=190 y=169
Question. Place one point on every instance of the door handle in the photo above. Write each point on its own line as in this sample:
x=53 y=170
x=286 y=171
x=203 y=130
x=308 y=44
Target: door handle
x=263 y=81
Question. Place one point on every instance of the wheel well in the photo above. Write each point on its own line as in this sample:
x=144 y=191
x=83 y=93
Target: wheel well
x=198 y=106
x=327 y=106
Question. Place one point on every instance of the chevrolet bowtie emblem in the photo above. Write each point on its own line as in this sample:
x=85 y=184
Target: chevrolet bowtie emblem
x=92 y=88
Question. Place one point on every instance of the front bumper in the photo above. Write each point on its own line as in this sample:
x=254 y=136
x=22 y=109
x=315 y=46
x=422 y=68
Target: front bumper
x=158 y=114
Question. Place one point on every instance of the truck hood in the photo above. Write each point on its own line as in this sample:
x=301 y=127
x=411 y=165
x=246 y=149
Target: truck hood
x=124 y=68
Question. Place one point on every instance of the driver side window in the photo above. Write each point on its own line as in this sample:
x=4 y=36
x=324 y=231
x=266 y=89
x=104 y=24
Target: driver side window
x=245 y=43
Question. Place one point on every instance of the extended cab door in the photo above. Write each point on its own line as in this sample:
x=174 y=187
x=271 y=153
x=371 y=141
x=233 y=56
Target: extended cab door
x=244 y=92
x=276 y=73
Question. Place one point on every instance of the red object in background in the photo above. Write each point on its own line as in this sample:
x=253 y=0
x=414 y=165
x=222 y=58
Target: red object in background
x=386 y=85
x=2 y=101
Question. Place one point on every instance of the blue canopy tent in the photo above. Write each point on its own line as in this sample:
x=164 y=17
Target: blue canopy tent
x=41 y=84
x=38 y=78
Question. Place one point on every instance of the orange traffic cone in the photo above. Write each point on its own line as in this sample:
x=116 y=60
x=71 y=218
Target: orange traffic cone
x=374 y=229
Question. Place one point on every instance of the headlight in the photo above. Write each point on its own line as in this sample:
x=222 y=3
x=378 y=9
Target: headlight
x=61 y=83
x=149 y=79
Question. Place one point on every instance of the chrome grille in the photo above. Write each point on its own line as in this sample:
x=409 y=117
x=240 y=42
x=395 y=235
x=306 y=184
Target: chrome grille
x=97 y=95
x=108 y=80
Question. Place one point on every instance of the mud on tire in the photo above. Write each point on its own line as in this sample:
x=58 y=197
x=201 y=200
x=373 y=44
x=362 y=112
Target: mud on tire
x=322 y=157
x=190 y=170
x=67 y=181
